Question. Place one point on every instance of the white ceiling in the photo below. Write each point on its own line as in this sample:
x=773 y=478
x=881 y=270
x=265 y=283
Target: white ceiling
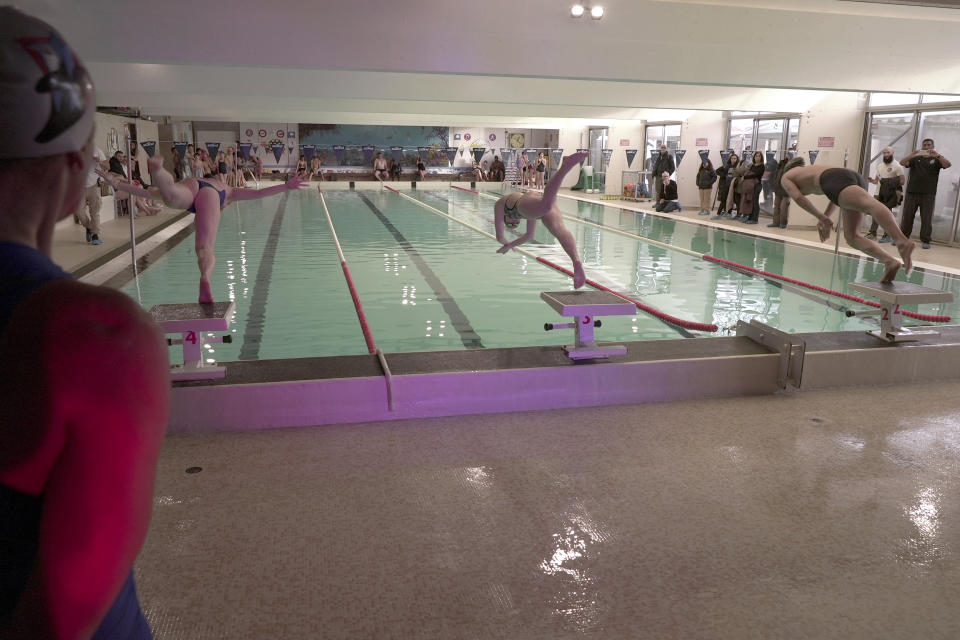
x=499 y=61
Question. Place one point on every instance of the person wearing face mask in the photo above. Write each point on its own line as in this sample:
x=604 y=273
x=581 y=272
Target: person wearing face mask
x=706 y=176
x=925 y=165
x=891 y=178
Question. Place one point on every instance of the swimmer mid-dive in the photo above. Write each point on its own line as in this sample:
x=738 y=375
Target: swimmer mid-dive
x=513 y=207
x=848 y=190
x=205 y=197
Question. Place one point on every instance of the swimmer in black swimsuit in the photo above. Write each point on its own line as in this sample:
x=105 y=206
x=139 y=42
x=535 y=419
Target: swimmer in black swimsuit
x=509 y=209
x=847 y=189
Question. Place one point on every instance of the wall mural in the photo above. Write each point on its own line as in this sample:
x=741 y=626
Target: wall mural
x=353 y=137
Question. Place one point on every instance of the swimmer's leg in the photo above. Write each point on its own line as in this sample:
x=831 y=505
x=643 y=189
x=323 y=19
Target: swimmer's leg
x=553 y=221
x=851 y=233
x=206 y=222
x=178 y=195
x=854 y=197
x=498 y=213
x=536 y=205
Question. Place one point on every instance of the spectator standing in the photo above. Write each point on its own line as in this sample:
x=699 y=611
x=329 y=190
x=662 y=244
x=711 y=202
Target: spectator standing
x=725 y=187
x=925 y=165
x=89 y=211
x=664 y=164
x=890 y=177
x=706 y=176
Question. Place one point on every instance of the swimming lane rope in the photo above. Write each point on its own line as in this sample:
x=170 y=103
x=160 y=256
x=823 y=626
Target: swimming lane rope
x=364 y=326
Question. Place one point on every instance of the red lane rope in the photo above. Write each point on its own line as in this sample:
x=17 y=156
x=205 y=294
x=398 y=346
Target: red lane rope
x=680 y=322
x=839 y=294
x=391 y=189
x=364 y=326
x=462 y=189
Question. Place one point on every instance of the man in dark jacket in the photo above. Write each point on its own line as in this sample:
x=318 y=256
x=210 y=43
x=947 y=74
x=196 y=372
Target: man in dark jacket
x=781 y=199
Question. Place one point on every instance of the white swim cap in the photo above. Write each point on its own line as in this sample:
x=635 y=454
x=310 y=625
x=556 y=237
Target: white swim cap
x=47 y=101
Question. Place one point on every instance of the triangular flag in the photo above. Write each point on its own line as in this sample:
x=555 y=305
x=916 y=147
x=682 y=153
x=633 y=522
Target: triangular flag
x=582 y=151
x=678 y=154
x=181 y=148
x=531 y=155
x=150 y=146
x=338 y=152
x=277 y=149
x=631 y=154
x=424 y=153
x=771 y=155
x=368 y=153
x=654 y=157
x=397 y=154
x=308 y=150
x=813 y=156
x=556 y=155
x=704 y=154
x=213 y=148
x=478 y=153
x=451 y=154
x=245 y=149
x=725 y=157
x=791 y=153
x=607 y=154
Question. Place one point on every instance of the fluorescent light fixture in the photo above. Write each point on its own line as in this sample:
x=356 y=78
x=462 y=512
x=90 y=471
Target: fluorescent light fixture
x=596 y=13
x=576 y=10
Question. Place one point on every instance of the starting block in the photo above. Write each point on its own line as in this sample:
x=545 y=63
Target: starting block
x=193 y=322
x=584 y=307
x=892 y=296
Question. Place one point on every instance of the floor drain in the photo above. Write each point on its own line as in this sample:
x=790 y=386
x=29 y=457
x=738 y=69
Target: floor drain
x=194 y=469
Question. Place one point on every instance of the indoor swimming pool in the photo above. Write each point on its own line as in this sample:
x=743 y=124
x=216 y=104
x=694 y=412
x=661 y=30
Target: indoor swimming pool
x=429 y=283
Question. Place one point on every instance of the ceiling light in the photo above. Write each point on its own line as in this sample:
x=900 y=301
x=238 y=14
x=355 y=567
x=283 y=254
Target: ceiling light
x=596 y=13
x=576 y=10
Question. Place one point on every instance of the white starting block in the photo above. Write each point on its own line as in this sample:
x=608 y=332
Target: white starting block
x=584 y=307
x=193 y=322
x=892 y=296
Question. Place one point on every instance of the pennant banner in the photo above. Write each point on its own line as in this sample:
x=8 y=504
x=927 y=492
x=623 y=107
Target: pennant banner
x=791 y=153
x=531 y=155
x=583 y=151
x=424 y=153
x=704 y=154
x=213 y=148
x=277 y=149
x=368 y=151
x=452 y=154
x=181 y=148
x=725 y=157
x=607 y=154
x=557 y=156
x=478 y=153
x=654 y=158
x=678 y=154
x=308 y=151
x=150 y=146
x=397 y=154
x=245 y=149
x=338 y=152
x=771 y=155
x=631 y=154
x=813 y=156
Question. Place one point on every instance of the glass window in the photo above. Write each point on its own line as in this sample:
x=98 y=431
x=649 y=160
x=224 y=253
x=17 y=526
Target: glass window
x=933 y=98
x=944 y=128
x=889 y=99
x=741 y=135
x=657 y=134
x=888 y=130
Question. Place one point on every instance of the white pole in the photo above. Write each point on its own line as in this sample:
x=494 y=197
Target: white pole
x=132 y=211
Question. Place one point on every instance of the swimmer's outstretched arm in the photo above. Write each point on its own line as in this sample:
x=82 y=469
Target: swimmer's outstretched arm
x=794 y=192
x=118 y=184
x=254 y=194
x=531 y=227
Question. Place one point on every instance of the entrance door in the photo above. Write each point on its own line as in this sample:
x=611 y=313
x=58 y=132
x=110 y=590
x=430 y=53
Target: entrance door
x=944 y=128
x=598 y=142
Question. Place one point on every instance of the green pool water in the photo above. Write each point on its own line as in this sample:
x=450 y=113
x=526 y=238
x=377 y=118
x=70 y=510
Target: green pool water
x=427 y=282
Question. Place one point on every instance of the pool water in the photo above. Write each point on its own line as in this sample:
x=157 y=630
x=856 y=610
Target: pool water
x=427 y=282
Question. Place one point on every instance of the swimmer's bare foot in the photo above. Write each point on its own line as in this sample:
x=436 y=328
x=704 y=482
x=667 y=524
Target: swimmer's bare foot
x=156 y=162
x=572 y=159
x=206 y=294
x=824 y=227
x=892 y=267
x=578 y=276
x=906 y=252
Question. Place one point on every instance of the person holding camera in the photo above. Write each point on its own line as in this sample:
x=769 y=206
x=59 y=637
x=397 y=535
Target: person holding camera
x=925 y=165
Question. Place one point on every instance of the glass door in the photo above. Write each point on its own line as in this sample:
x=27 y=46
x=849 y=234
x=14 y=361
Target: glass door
x=897 y=130
x=598 y=141
x=770 y=140
x=656 y=135
x=944 y=128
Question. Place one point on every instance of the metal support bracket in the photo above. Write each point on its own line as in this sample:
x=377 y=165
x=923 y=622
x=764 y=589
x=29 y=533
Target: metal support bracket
x=791 y=348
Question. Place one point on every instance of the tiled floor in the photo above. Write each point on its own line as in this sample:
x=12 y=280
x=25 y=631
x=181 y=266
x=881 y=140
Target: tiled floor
x=817 y=515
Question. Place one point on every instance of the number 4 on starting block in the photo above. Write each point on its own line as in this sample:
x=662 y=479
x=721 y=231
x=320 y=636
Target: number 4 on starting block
x=193 y=322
